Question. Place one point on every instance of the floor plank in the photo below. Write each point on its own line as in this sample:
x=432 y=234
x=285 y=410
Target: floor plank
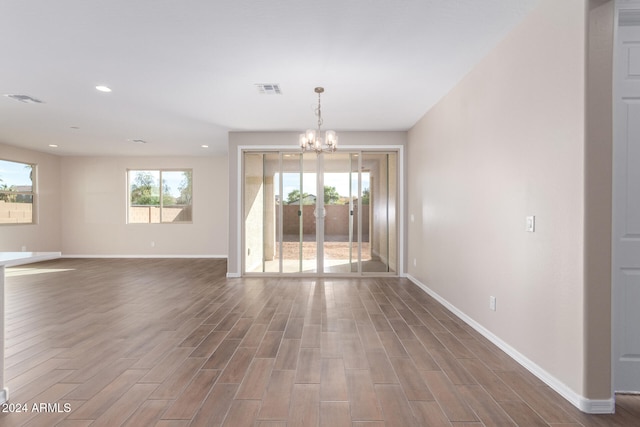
x=174 y=343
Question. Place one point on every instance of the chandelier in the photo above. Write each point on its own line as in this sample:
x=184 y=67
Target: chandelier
x=312 y=139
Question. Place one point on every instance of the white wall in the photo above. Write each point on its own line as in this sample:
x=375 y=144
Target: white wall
x=94 y=200
x=45 y=234
x=507 y=142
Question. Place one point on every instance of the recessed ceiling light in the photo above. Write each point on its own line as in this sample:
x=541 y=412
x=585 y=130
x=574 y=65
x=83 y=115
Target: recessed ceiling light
x=74 y=127
x=204 y=146
x=53 y=145
x=103 y=88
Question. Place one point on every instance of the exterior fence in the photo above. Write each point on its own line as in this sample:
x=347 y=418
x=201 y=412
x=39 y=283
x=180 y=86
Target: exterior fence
x=336 y=221
x=151 y=214
x=22 y=213
x=16 y=213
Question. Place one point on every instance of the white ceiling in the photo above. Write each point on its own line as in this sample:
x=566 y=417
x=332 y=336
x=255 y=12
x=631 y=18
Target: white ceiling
x=183 y=72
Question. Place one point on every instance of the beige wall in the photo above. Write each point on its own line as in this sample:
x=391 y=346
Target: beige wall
x=507 y=142
x=82 y=208
x=45 y=234
x=94 y=217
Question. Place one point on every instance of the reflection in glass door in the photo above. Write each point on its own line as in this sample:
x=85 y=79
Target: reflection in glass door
x=261 y=201
x=379 y=198
x=330 y=213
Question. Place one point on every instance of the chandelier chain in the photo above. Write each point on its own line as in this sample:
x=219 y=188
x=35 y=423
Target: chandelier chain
x=319 y=113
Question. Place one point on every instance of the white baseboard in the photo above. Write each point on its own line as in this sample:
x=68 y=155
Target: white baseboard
x=590 y=406
x=4 y=395
x=233 y=275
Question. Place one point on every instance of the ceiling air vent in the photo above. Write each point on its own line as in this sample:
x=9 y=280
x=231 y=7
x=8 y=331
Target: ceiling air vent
x=24 y=98
x=269 y=88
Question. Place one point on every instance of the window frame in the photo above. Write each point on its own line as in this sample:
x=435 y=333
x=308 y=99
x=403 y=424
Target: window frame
x=160 y=194
x=33 y=193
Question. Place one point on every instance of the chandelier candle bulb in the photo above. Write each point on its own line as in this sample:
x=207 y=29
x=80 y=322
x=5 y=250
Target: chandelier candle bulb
x=311 y=135
x=332 y=139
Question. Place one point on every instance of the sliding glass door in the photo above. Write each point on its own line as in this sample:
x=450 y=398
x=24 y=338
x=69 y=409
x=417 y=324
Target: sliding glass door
x=340 y=226
x=319 y=214
x=296 y=213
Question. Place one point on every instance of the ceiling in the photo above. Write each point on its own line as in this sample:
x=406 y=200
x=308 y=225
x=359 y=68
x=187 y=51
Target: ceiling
x=183 y=73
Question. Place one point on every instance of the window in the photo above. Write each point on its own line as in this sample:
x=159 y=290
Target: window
x=160 y=196
x=17 y=192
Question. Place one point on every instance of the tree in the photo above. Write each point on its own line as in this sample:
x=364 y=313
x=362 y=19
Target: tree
x=185 y=189
x=167 y=198
x=366 y=196
x=144 y=190
x=331 y=195
x=294 y=197
x=5 y=192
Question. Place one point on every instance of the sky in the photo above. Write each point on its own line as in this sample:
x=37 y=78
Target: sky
x=12 y=173
x=173 y=180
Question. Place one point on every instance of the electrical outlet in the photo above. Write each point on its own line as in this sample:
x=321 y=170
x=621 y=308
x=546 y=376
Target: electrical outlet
x=492 y=303
x=153 y=244
x=415 y=263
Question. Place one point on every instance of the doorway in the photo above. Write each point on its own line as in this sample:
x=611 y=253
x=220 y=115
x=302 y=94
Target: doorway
x=320 y=214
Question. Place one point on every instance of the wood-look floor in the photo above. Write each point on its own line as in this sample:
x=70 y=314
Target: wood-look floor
x=175 y=343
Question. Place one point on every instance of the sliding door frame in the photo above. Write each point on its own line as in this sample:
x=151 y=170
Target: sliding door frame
x=400 y=227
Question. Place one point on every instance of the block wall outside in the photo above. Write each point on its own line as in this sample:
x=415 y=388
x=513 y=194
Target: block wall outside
x=15 y=213
x=151 y=214
x=336 y=221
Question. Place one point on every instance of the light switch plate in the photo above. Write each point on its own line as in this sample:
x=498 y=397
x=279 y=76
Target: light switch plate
x=531 y=224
